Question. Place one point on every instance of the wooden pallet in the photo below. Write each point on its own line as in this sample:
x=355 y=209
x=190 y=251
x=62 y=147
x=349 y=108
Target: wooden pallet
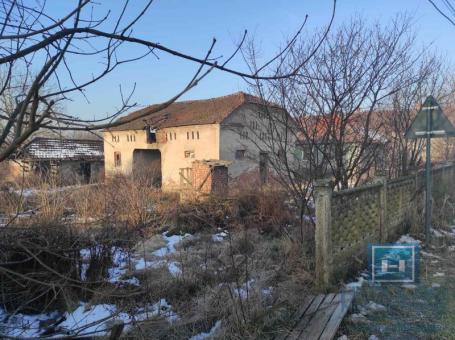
x=320 y=316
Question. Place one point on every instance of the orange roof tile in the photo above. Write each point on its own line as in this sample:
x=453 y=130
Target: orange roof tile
x=191 y=112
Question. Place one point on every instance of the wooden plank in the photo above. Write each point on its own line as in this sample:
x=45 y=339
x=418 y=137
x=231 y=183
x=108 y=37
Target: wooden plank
x=294 y=334
x=321 y=317
x=337 y=316
x=297 y=315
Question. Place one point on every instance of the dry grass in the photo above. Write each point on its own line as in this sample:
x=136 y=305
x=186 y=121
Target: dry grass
x=252 y=281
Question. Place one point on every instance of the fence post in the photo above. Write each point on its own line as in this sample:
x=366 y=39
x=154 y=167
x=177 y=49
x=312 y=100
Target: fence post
x=383 y=235
x=451 y=177
x=323 y=237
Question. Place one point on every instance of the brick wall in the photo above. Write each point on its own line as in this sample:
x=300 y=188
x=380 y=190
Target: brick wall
x=210 y=178
x=202 y=180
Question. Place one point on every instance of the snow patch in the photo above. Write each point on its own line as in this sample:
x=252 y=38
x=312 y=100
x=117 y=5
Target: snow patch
x=219 y=237
x=358 y=318
x=372 y=306
x=122 y=261
x=355 y=285
x=174 y=269
x=424 y=253
x=409 y=286
x=244 y=290
x=85 y=319
x=437 y=233
x=408 y=239
x=210 y=333
x=171 y=242
x=23 y=325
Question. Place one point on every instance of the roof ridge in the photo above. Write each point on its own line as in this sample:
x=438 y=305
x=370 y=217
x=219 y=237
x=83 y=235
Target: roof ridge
x=212 y=98
x=64 y=139
x=238 y=93
x=189 y=112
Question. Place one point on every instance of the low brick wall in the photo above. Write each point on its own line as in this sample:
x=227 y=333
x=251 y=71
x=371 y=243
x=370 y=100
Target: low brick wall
x=210 y=178
x=348 y=220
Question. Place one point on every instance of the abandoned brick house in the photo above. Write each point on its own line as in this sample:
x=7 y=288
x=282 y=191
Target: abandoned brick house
x=66 y=161
x=211 y=131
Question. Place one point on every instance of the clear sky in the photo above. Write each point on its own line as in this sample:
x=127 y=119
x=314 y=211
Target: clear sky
x=190 y=25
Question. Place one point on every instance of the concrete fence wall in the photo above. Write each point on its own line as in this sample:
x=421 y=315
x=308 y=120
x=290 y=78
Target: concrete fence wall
x=348 y=220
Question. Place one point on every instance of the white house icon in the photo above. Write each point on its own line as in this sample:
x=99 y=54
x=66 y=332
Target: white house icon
x=385 y=266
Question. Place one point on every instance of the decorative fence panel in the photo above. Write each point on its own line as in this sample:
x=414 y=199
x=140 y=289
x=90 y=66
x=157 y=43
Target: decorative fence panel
x=348 y=220
x=355 y=217
x=401 y=197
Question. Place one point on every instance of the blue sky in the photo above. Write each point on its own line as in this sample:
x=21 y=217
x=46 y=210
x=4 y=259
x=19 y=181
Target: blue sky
x=190 y=25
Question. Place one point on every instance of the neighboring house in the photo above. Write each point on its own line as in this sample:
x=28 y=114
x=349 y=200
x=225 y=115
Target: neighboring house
x=68 y=161
x=228 y=129
x=443 y=149
x=328 y=140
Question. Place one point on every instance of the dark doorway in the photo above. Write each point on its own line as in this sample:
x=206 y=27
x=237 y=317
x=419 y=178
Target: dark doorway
x=263 y=167
x=85 y=172
x=42 y=169
x=147 y=166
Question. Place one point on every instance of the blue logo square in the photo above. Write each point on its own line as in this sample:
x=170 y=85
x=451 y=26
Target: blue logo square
x=393 y=262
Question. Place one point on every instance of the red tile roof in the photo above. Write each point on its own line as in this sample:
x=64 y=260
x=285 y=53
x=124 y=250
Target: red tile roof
x=317 y=127
x=191 y=112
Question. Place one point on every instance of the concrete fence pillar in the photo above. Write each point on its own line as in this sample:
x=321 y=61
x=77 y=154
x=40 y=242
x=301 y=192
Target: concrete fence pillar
x=383 y=235
x=323 y=239
x=451 y=176
x=447 y=174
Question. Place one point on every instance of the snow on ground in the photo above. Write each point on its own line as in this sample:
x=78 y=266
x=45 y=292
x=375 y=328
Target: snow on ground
x=210 y=333
x=120 y=264
x=309 y=218
x=85 y=319
x=4 y=220
x=408 y=239
x=22 y=325
x=24 y=192
x=356 y=284
x=244 y=290
x=88 y=318
x=441 y=233
x=122 y=261
x=173 y=268
x=91 y=319
x=437 y=233
x=171 y=242
x=424 y=253
x=219 y=237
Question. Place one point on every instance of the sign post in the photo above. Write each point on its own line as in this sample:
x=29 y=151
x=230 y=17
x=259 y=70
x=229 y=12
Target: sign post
x=430 y=122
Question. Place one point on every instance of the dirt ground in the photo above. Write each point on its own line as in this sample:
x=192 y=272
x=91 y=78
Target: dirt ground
x=425 y=310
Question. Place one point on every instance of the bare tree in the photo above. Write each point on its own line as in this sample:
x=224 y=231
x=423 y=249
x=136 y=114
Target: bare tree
x=446 y=8
x=336 y=122
x=334 y=96
x=41 y=266
x=31 y=35
x=432 y=77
